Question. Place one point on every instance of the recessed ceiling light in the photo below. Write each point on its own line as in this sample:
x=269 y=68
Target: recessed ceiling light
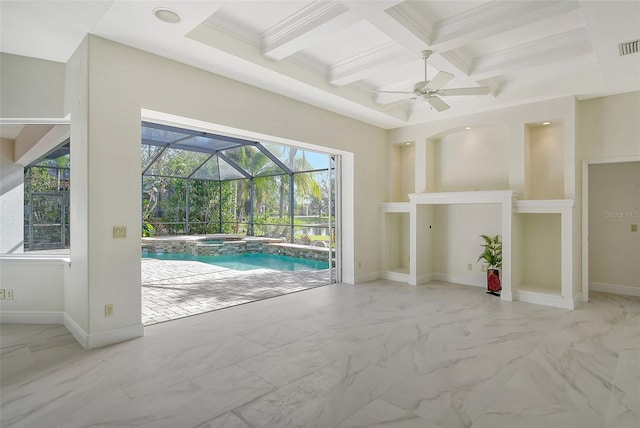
x=546 y=123
x=468 y=127
x=167 y=15
x=407 y=144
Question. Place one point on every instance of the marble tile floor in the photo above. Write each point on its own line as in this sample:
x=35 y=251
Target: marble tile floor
x=380 y=354
x=177 y=289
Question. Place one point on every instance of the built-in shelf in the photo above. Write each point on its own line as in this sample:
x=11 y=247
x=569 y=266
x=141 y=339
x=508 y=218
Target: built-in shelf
x=479 y=197
x=536 y=238
x=544 y=160
x=543 y=206
x=551 y=289
x=396 y=220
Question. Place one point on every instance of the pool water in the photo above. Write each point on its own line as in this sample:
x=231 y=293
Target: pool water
x=248 y=261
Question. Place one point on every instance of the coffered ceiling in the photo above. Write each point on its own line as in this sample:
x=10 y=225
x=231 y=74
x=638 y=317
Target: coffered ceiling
x=334 y=54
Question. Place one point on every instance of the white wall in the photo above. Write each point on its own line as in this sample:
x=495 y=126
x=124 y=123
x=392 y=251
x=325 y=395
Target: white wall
x=31 y=88
x=457 y=240
x=38 y=289
x=614 y=205
x=11 y=200
x=475 y=159
x=76 y=99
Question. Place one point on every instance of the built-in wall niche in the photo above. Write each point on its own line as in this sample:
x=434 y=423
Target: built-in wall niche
x=402 y=171
x=537 y=257
x=544 y=160
x=469 y=160
x=396 y=248
x=457 y=242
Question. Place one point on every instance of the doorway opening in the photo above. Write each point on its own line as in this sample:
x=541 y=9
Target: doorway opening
x=229 y=220
x=610 y=237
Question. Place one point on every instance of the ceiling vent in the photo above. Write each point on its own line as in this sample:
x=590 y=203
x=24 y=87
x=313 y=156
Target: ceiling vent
x=629 y=48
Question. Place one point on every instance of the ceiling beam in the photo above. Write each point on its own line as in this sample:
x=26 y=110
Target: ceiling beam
x=567 y=46
x=493 y=18
x=396 y=20
x=366 y=63
x=311 y=23
x=409 y=27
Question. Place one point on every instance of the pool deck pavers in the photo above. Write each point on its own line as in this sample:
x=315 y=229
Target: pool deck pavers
x=177 y=289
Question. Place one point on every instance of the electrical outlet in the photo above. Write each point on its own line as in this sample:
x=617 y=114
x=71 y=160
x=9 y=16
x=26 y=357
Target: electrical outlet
x=484 y=268
x=9 y=294
x=634 y=227
x=2 y=294
x=119 y=232
x=108 y=310
x=469 y=266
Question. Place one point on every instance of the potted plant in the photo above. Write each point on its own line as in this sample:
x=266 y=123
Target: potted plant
x=492 y=256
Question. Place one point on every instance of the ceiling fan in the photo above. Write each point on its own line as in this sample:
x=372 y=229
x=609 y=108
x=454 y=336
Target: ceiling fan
x=431 y=91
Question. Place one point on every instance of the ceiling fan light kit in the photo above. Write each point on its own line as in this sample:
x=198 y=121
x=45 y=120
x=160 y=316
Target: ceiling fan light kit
x=431 y=90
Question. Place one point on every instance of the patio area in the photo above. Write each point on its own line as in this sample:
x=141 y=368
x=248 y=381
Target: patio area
x=177 y=289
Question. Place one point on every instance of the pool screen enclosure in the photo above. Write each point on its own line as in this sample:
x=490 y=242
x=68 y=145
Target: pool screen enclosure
x=196 y=182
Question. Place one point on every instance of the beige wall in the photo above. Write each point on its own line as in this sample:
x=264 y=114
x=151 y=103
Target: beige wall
x=31 y=88
x=609 y=127
x=544 y=162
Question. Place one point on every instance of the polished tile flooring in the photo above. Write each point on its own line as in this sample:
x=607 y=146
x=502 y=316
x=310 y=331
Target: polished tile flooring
x=177 y=289
x=380 y=354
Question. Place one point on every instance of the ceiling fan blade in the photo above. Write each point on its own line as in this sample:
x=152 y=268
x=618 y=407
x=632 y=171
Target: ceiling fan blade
x=480 y=90
x=437 y=103
x=439 y=81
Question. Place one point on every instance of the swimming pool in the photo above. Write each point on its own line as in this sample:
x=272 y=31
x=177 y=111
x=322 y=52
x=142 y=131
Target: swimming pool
x=248 y=261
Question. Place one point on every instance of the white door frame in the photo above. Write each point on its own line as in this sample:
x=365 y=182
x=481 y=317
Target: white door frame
x=585 y=214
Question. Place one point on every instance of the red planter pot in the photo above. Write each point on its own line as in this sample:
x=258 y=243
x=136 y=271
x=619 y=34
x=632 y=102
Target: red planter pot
x=493 y=282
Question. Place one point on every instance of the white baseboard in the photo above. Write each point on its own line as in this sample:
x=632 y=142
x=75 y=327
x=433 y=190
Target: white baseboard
x=626 y=290
x=77 y=331
x=424 y=279
x=544 y=299
x=460 y=279
x=104 y=338
x=31 y=317
x=396 y=276
x=116 y=335
x=367 y=277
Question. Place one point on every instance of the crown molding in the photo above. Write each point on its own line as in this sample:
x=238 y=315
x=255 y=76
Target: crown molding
x=413 y=21
x=233 y=28
x=301 y=23
x=363 y=64
x=555 y=48
x=492 y=18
